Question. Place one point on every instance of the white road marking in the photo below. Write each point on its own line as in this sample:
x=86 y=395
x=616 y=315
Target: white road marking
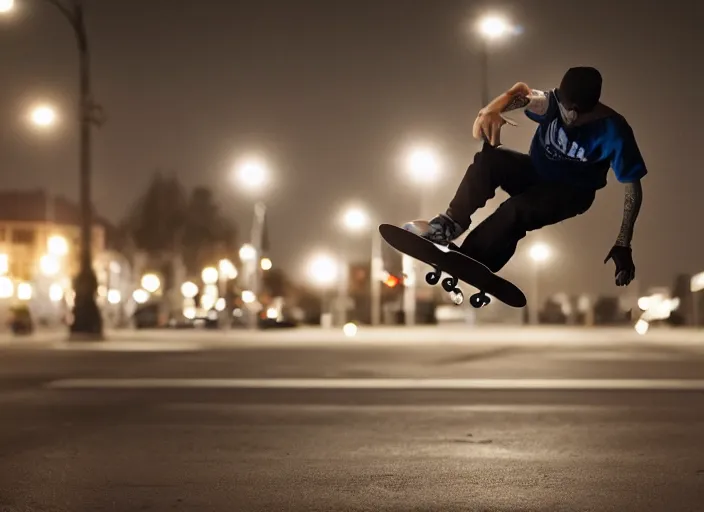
x=395 y=384
x=220 y=408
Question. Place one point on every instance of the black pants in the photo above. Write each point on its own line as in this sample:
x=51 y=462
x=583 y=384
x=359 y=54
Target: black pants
x=534 y=203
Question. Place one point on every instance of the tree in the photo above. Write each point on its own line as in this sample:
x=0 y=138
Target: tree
x=155 y=223
x=167 y=222
x=207 y=235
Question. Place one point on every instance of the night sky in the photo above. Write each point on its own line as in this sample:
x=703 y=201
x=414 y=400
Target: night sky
x=332 y=92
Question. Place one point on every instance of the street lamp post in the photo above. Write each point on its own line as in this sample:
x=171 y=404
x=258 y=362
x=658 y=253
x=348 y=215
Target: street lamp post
x=424 y=169
x=490 y=28
x=323 y=271
x=86 y=315
x=539 y=253
x=355 y=220
x=248 y=256
x=253 y=175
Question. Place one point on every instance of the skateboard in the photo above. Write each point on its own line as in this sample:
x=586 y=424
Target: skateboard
x=459 y=266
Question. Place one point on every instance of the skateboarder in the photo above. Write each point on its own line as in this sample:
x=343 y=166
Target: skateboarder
x=577 y=140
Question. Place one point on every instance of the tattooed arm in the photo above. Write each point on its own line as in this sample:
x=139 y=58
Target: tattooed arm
x=631 y=208
x=490 y=119
x=517 y=97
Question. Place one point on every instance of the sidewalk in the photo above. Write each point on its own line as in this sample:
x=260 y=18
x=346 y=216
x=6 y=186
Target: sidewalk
x=456 y=334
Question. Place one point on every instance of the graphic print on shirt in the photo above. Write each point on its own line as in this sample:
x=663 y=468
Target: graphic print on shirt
x=558 y=146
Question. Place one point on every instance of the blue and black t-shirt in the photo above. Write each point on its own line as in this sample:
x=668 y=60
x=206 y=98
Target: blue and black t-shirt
x=582 y=155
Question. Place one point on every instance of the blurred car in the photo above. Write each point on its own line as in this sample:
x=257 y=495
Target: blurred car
x=21 y=320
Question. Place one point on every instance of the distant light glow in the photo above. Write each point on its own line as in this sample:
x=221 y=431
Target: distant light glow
x=252 y=173
x=207 y=301
x=24 y=291
x=227 y=269
x=266 y=264
x=43 y=116
x=248 y=253
x=189 y=312
x=355 y=219
x=49 y=265
x=642 y=327
x=56 y=292
x=7 y=288
x=114 y=296
x=4 y=264
x=423 y=165
x=57 y=245
x=540 y=252
x=494 y=27
x=323 y=270
x=272 y=313
x=697 y=282
x=209 y=275
x=248 y=297
x=189 y=289
x=6 y=6
x=220 y=304
x=140 y=296
x=350 y=330
x=151 y=282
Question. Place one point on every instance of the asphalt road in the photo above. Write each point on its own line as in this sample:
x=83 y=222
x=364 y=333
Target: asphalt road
x=503 y=424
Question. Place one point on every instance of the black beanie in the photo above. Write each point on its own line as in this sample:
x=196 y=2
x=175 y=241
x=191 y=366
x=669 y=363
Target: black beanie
x=581 y=86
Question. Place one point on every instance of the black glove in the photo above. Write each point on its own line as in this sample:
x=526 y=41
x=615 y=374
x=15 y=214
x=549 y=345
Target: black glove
x=625 y=269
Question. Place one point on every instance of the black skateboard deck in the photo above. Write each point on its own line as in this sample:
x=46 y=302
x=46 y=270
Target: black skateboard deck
x=459 y=266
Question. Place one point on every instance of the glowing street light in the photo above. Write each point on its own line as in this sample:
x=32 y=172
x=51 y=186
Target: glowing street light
x=7 y=287
x=227 y=269
x=494 y=27
x=57 y=245
x=209 y=275
x=423 y=165
x=189 y=290
x=43 y=116
x=24 y=291
x=540 y=252
x=248 y=253
x=266 y=264
x=252 y=174
x=56 y=292
x=49 y=265
x=248 y=297
x=6 y=6
x=151 y=283
x=140 y=296
x=114 y=297
x=323 y=270
x=355 y=219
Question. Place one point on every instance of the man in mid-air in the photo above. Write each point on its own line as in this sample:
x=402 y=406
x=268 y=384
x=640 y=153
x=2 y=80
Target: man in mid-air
x=577 y=141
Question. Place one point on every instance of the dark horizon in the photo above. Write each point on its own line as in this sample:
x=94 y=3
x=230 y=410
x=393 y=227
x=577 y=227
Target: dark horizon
x=332 y=95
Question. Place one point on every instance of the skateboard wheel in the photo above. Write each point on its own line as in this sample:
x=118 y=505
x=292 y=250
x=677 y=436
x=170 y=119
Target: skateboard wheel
x=457 y=296
x=449 y=284
x=432 y=278
x=479 y=300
